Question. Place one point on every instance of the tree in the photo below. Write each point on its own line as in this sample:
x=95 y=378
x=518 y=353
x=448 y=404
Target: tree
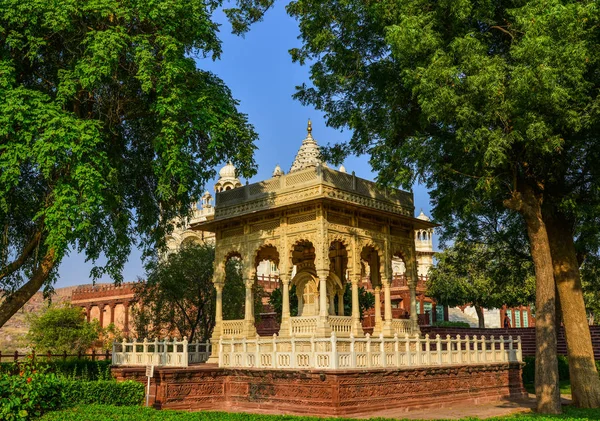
x=590 y=277
x=482 y=276
x=177 y=297
x=108 y=130
x=489 y=104
x=63 y=329
x=366 y=301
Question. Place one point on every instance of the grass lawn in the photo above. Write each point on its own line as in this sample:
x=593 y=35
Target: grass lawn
x=131 y=413
x=564 y=385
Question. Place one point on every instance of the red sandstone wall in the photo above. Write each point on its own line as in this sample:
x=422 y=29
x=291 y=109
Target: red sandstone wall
x=527 y=336
x=316 y=392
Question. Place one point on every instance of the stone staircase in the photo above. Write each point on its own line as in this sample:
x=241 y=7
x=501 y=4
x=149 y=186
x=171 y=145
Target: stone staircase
x=456 y=315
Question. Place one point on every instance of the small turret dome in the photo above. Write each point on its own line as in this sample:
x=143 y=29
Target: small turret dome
x=228 y=171
x=423 y=217
x=277 y=172
x=342 y=168
x=227 y=179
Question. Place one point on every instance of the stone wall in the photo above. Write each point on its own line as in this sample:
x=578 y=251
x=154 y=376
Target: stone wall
x=527 y=336
x=314 y=392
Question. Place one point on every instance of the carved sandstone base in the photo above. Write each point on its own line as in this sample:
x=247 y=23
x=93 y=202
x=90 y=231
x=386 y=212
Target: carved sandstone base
x=357 y=392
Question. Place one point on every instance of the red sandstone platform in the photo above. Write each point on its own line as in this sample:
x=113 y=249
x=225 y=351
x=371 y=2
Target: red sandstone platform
x=316 y=392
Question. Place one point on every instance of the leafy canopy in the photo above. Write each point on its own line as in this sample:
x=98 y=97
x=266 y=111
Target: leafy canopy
x=481 y=275
x=473 y=98
x=178 y=297
x=63 y=329
x=108 y=129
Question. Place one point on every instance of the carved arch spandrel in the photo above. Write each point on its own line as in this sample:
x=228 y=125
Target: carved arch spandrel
x=267 y=250
x=221 y=259
x=407 y=254
x=347 y=241
x=292 y=242
x=379 y=249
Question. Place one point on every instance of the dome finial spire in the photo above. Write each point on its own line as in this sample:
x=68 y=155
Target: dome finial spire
x=309 y=129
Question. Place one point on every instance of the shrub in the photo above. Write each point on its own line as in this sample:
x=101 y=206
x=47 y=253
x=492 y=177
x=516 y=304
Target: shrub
x=529 y=369
x=29 y=393
x=451 y=324
x=107 y=392
x=83 y=369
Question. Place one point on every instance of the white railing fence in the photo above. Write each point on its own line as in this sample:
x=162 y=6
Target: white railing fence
x=170 y=353
x=233 y=327
x=367 y=352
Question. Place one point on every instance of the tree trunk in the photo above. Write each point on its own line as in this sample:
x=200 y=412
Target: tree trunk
x=480 y=316
x=585 y=383
x=18 y=299
x=528 y=204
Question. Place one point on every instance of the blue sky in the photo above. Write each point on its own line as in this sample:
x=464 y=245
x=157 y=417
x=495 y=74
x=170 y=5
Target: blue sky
x=261 y=75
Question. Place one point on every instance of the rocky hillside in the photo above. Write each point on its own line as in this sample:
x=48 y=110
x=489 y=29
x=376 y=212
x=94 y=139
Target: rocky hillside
x=13 y=333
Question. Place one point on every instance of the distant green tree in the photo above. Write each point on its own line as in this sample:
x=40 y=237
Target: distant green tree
x=482 y=276
x=63 y=329
x=590 y=279
x=178 y=295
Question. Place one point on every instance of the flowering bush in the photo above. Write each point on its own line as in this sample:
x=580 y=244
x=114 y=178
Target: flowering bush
x=28 y=393
x=29 y=389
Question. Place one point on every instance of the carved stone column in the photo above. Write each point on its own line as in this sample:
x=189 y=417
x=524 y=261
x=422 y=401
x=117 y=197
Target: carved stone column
x=285 y=327
x=340 y=296
x=126 y=317
x=412 y=286
x=249 y=328
x=218 y=329
x=323 y=328
x=101 y=316
x=219 y=306
x=331 y=304
x=356 y=325
x=112 y=312
x=378 y=322
x=387 y=314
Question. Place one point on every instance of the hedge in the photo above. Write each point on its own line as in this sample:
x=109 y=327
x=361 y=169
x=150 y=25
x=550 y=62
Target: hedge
x=563 y=368
x=103 y=392
x=84 y=369
x=113 y=413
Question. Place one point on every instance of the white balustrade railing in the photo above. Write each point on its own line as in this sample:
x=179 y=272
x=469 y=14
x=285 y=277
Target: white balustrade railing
x=303 y=325
x=341 y=325
x=401 y=326
x=170 y=353
x=233 y=327
x=367 y=352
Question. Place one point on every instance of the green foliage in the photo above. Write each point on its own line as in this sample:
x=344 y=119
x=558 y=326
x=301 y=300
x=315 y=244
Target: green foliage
x=234 y=293
x=102 y=392
x=451 y=324
x=108 y=413
x=529 y=369
x=590 y=279
x=63 y=329
x=108 y=130
x=30 y=388
x=366 y=300
x=178 y=295
x=29 y=393
x=481 y=275
x=73 y=369
x=276 y=301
